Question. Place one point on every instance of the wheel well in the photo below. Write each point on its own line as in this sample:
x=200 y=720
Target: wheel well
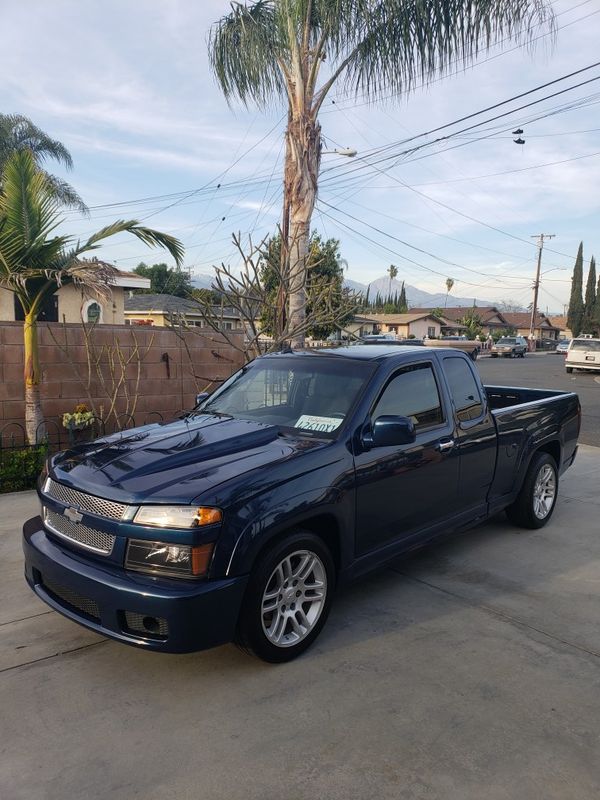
x=553 y=449
x=325 y=526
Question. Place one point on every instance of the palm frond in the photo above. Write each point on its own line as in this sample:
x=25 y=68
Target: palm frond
x=406 y=41
x=149 y=236
x=65 y=194
x=19 y=133
x=243 y=50
x=28 y=214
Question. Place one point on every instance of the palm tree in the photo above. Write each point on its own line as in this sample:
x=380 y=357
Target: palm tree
x=449 y=285
x=392 y=272
x=274 y=49
x=20 y=133
x=35 y=262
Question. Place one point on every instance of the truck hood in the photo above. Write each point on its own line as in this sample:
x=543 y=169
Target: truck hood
x=176 y=461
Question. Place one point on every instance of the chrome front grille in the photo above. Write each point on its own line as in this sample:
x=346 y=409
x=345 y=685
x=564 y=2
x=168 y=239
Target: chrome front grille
x=73 y=599
x=87 y=502
x=89 y=538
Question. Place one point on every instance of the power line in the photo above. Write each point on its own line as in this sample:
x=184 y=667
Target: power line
x=366 y=163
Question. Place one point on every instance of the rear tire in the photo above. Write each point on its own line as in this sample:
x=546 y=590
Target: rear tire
x=288 y=598
x=536 y=501
x=569 y=370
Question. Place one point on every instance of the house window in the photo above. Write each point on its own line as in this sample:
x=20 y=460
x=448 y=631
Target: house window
x=93 y=312
x=431 y=331
x=227 y=326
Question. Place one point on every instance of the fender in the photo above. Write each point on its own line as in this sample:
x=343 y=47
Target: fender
x=266 y=517
x=550 y=443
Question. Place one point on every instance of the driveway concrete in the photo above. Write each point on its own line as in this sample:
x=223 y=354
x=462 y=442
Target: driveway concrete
x=469 y=671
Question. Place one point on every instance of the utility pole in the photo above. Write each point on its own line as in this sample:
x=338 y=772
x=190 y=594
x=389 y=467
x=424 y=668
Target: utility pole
x=536 y=286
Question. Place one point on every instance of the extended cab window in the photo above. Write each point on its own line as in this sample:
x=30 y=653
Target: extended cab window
x=464 y=389
x=412 y=393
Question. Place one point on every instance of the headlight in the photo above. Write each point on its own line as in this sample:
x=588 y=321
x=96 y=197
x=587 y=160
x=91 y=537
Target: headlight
x=177 y=516
x=177 y=560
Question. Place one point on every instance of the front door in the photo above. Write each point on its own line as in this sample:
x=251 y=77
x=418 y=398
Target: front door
x=402 y=490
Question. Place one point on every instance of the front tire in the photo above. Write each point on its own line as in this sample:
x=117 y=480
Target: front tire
x=288 y=598
x=535 y=502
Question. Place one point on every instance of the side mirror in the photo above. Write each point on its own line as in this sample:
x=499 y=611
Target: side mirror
x=200 y=398
x=392 y=430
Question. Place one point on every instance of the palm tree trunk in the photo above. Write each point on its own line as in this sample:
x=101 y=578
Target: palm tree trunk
x=303 y=158
x=34 y=419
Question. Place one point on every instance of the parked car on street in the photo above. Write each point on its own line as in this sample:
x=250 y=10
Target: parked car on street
x=562 y=347
x=301 y=472
x=378 y=340
x=469 y=346
x=583 y=353
x=509 y=347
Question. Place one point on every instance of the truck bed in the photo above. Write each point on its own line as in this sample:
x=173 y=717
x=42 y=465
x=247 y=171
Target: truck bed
x=525 y=418
x=507 y=396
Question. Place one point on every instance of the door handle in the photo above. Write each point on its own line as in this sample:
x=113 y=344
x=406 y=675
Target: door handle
x=445 y=446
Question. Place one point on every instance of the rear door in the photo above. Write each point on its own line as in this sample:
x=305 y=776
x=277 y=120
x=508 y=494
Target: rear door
x=475 y=438
x=401 y=490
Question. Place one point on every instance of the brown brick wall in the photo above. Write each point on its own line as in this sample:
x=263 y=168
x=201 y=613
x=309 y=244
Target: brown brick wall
x=63 y=358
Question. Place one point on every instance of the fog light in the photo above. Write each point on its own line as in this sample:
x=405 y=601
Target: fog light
x=178 y=560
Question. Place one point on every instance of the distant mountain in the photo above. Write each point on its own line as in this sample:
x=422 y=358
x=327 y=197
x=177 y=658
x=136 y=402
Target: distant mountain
x=203 y=280
x=416 y=298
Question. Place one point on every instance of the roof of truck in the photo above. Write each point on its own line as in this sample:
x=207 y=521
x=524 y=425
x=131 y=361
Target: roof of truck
x=370 y=352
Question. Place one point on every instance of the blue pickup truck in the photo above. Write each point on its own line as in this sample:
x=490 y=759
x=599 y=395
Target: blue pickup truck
x=302 y=471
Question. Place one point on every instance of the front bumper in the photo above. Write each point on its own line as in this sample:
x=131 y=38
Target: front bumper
x=182 y=616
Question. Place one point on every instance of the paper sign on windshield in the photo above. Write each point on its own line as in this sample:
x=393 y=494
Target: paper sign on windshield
x=308 y=422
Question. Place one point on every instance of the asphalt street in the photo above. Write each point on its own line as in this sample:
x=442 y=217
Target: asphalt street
x=470 y=670
x=547 y=371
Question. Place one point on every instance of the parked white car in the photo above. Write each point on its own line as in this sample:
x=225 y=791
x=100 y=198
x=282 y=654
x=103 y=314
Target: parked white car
x=583 y=353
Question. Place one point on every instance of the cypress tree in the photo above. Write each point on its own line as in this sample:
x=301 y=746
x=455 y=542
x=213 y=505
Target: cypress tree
x=403 y=303
x=596 y=312
x=590 y=299
x=575 y=315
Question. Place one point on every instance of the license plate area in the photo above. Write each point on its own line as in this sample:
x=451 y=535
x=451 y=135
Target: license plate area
x=590 y=358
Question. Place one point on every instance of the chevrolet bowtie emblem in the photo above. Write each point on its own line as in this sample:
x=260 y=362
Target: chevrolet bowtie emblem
x=73 y=514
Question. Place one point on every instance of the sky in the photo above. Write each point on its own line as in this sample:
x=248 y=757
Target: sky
x=126 y=85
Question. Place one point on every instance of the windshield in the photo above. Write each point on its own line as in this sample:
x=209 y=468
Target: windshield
x=586 y=344
x=507 y=340
x=311 y=395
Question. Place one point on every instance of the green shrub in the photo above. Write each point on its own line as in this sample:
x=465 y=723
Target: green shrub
x=19 y=469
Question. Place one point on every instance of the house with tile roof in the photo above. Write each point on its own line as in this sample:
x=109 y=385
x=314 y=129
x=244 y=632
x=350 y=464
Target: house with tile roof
x=403 y=326
x=492 y=320
x=165 y=310
x=72 y=304
x=521 y=322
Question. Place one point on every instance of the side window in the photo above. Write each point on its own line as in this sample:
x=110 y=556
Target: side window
x=412 y=393
x=464 y=389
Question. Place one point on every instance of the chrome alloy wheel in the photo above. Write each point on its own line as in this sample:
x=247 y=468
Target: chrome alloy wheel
x=294 y=598
x=544 y=492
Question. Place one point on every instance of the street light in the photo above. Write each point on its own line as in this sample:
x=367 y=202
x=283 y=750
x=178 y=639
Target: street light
x=349 y=152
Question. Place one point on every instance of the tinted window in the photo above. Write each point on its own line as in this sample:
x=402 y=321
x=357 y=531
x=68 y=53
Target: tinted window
x=412 y=393
x=585 y=344
x=312 y=394
x=464 y=389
